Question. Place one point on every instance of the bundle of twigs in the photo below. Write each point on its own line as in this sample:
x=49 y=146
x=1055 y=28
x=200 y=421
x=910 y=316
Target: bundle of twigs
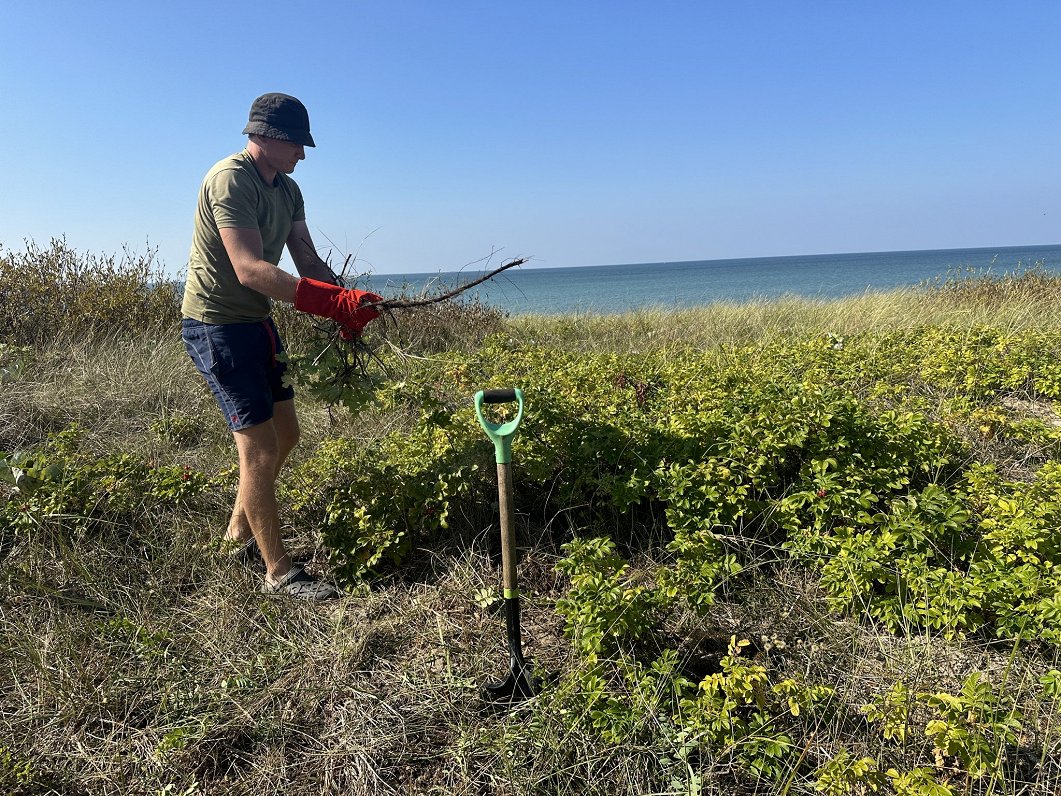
x=353 y=361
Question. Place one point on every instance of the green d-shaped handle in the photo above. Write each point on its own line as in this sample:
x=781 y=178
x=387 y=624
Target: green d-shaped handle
x=500 y=434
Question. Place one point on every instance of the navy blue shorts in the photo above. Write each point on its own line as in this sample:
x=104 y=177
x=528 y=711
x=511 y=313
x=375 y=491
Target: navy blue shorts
x=239 y=363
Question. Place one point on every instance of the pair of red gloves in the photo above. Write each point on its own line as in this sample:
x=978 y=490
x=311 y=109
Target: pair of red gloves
x=345 y=306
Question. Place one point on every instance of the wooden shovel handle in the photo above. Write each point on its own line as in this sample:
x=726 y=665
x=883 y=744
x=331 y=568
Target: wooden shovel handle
x=508 y=533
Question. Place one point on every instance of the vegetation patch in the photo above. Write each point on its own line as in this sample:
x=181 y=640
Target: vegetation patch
x=820 y=559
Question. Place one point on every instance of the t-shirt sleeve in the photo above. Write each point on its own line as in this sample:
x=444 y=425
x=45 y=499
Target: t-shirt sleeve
x=233 y=200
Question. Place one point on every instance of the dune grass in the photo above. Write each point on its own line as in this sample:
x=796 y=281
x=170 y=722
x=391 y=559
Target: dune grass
x=1028 y=299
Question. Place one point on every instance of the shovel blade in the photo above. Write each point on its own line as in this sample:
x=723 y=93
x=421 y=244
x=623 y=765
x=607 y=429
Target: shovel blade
x=517 y=687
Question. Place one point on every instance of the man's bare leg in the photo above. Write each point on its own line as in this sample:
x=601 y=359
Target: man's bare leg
x=262 y=451
x=285 y=425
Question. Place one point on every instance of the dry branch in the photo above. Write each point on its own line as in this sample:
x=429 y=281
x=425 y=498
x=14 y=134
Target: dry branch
x=403 y=305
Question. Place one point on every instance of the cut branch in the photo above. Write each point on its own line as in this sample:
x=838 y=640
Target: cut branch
x=350 y=369
x=388 y=304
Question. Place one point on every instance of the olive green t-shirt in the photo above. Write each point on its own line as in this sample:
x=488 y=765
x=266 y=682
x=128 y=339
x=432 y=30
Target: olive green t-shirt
x=233 y=195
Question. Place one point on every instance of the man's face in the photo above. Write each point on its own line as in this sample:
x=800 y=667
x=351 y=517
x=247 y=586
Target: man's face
x=282 y=155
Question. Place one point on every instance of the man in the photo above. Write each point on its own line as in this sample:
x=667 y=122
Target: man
x=249 y=209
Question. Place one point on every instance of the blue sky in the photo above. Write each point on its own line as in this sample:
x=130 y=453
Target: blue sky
x=578 y=133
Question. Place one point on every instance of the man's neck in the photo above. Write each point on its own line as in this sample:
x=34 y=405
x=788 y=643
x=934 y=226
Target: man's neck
x=267 y=173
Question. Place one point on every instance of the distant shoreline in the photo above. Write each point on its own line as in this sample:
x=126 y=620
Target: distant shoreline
x=610 y=289
x=734 y=260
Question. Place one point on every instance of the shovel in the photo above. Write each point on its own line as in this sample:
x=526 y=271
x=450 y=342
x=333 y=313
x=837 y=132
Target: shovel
x=518 y=686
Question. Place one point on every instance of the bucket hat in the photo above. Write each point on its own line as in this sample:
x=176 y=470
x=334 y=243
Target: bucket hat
x=279 y=116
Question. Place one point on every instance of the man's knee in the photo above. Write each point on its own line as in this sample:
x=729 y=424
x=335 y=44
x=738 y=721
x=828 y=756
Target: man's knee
x=285 y=421
x=259 y=448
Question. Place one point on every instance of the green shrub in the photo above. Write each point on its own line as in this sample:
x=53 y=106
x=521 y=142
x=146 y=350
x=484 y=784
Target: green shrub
x=62 y=487
x=57 y=293
x=603 y=608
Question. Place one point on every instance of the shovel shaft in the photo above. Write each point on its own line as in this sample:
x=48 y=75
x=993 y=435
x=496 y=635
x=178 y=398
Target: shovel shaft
x=508 y=533
x=515 y=635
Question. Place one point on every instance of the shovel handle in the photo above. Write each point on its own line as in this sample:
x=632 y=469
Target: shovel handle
x=508 y=531
x=500 y=433
x=499 y=396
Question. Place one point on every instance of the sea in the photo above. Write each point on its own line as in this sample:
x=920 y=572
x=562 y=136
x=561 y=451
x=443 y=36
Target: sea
x=610 y=289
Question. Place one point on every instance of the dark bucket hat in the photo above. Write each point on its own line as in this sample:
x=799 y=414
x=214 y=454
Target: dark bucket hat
x=280 y=116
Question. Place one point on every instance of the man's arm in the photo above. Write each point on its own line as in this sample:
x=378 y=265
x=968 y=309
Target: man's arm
x=308 y=263
x=327 y=300
x=244 y=248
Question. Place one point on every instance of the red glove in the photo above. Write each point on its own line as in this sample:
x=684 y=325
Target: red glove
x=342 y=305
